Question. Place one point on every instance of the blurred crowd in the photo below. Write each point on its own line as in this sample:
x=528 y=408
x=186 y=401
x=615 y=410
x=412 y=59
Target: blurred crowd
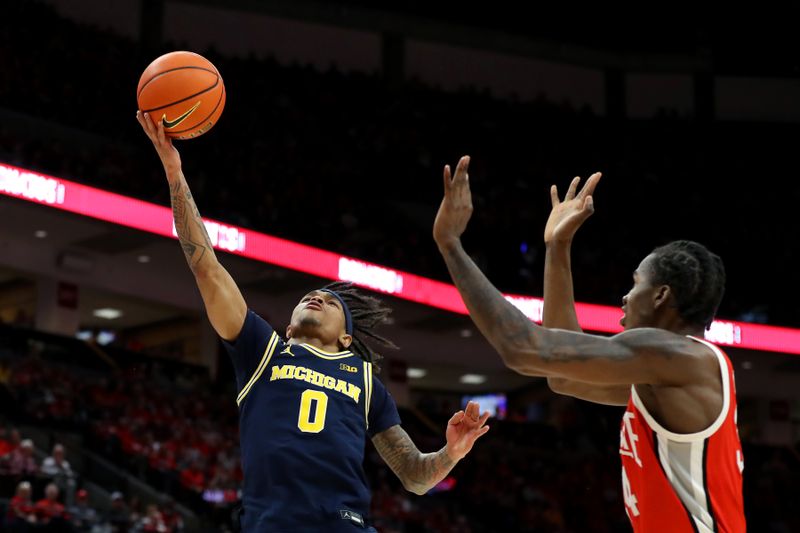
x=63 y=507
x=364 y=160
x=524 y=477
x=177 y=435
x=551 y=466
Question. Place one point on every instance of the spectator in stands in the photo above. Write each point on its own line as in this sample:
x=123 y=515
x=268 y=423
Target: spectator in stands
x=151 y=522
x=118 y=516
x=22 y=462
x=58 y=468
x=193 y=478
x=15 y=438
x=6 y=447
x=172 y=518
x=83 y=517
x=21 y=511
x=49 y=511
x=135 y=510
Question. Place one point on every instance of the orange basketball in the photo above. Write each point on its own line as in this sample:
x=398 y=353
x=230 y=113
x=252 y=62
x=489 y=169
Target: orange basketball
x=185 y=91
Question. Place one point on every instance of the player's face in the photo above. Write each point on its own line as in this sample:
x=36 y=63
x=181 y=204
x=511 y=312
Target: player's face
x=638 y=305
x=318 y=314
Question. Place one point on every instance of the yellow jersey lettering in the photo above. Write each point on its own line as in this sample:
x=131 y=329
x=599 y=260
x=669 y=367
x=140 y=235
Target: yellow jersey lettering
x=341 y=386
x=276 y=373
x=283 y=372
x=353 y=391
x=302 y=373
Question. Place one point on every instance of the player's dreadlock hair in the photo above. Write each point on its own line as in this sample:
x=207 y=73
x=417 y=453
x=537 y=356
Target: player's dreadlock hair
x=696 y=277
x=368 y=312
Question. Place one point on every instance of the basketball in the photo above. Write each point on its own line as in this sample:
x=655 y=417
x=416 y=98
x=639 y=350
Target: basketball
x=185 y=91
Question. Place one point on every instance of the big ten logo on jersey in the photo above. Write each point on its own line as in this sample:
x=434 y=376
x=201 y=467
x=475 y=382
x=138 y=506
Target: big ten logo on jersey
x=628 y=439
x=348 y=368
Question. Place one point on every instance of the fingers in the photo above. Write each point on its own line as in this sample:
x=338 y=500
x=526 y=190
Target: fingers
x=147 y=125
x=471 y=414
x=481 y=432
x=462 y=176
x=143 y=120
x=573 y=186
x=585 y=192
x=588 y=205
x=162 y=137
x=456 y=418
x=591 y=183
x=475 y=434
x=472 y=410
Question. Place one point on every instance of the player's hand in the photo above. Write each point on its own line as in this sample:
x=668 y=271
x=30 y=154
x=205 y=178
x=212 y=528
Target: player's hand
x=568 y=215
x=456 y=208
x=463 y=429
x=169 y=155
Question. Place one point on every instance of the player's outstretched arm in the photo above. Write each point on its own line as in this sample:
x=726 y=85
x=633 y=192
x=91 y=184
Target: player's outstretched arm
x=224 y=303
x=591 y=392
x=566 y=216
x=420 y=472
x=638 y=356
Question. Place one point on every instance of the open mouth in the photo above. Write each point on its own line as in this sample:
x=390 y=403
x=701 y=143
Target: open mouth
x=314 y=306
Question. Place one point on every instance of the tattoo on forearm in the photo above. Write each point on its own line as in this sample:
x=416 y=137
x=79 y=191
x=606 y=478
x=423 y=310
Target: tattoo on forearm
x=189 y=225
x=496 y=317
x=419 y=472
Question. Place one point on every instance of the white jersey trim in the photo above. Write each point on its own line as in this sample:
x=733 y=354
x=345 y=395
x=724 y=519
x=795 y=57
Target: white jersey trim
x=682 y=463
x=710 y=430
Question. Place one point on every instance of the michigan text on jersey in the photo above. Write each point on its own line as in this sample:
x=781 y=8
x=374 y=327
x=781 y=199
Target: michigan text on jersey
x=319 y=379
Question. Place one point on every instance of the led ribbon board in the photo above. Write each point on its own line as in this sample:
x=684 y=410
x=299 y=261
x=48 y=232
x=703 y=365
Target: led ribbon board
x=130 y=212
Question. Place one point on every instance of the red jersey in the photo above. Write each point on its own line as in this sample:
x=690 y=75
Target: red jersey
x=47 y=510
x=20 y=506
x=683 y=482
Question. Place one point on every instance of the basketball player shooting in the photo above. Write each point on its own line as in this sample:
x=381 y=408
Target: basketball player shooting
x=307 y=404
x=681 y=457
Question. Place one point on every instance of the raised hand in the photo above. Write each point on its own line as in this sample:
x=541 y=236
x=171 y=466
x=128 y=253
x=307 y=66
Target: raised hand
x=568 y=215
x=169 y=155
x=456 y=208
x=463 y=429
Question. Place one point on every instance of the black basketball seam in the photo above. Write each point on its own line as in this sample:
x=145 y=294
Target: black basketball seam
x=195 y=95
x=221 y=96
x=173 y=70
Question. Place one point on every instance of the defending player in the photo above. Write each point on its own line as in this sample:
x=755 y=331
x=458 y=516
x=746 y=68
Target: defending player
x=681 y=457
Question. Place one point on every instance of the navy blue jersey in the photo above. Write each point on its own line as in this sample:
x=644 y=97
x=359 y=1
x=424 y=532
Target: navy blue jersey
x=304 y=416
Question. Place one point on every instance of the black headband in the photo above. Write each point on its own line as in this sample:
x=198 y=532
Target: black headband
x=348 y=318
